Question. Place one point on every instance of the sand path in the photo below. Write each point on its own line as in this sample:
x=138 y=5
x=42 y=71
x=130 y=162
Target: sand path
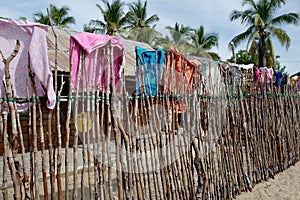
x=285 y=186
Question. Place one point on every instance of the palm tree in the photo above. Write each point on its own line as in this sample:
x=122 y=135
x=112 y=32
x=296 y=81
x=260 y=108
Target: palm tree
x=178 y=37
x=41 y=18
x=137 y=16
x=179 y=32
x=146 y=35
x=139 y=24
x=59 y=17
x=114 y=18
x=262 y=23
x=204 y=42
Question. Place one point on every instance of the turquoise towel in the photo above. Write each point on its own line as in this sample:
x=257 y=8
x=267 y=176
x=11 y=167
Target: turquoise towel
x=149 y=62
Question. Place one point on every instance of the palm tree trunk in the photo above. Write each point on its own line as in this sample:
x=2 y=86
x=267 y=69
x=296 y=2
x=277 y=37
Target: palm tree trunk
x=261 y=52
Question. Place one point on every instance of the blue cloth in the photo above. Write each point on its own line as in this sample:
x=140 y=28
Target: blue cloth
x=278 y=78
x=148 y=63
x=284 y=81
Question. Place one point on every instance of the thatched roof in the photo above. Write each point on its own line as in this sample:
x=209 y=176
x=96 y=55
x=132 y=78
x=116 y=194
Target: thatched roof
x=63 y=41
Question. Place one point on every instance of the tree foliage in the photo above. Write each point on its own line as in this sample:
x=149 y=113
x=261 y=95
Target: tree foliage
x=262 y=25
x=114 y=18
x=59 y=17
x=243 y=57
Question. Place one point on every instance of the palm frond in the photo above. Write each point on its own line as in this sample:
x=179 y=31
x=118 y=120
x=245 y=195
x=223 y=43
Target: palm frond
x=282 y=36
x=242 y=37
x=245 y=16
x=289 y=18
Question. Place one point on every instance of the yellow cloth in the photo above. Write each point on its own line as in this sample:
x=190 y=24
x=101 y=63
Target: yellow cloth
x=84 y=122
x=293 y=80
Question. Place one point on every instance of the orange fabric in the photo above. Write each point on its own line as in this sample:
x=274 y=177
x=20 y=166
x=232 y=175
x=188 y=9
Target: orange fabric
x=179 y=75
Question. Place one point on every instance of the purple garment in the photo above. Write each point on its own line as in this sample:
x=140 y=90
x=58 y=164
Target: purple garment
x=90 y=44
x=33 y=43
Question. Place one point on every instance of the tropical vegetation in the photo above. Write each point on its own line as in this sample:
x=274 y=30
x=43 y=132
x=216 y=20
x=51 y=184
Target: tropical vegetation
x=204 y=42
x=137 y=16
x=114 y=18
x=243 y=57
x=59 y=17
x=259 y=17
x=263 y=24
x=178 y=37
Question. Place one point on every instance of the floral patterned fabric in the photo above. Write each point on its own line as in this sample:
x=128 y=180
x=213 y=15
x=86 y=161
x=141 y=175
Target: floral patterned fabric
x=33 y=51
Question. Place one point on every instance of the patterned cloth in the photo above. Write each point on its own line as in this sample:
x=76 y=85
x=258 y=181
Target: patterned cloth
x=33 y=50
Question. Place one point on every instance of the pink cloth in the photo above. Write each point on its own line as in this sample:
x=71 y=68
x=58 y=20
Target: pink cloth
x=257 y=73
x=33 y=42
x=266 y=73
x=90 y=44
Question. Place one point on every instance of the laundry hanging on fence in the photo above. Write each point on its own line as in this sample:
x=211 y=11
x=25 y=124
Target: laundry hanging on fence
x=33 y=52
x=179 y=68
x=97 y=51
x=266 y=74
x=179 y=75
x=148 y=68
x=278 y=76
x=239 y=74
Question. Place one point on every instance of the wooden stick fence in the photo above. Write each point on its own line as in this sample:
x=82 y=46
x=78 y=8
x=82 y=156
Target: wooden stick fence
x=129 y=146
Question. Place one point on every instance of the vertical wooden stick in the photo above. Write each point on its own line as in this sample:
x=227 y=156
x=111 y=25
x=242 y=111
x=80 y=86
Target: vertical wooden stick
x=11 y=105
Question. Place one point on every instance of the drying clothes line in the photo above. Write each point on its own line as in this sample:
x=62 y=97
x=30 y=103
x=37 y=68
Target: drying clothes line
x=32 y=52
x=97 y=50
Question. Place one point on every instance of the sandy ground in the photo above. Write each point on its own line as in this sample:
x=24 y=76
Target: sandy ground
x=285 y=186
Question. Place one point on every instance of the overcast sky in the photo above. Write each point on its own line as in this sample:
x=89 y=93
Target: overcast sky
x=212 y=14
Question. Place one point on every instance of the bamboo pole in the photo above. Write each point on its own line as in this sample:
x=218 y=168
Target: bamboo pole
x=145 y=135
x=50 y=116
x=135 y=149
x=11 y=105
x=5 y=165
x=51 y=154
x=103 y=133
x=52 y=173
x=35 y=147
x=31 y=185
x=140 y=114
x=114 y=123
x=9 y=154
x=25 y=179
x=34 y=95
x=68 y=129
x=97 y=167
x=85 y=127
x=108 y=122
x=128 y=163
x=245 y=130
x=20 y=168
x=75 y=146
x=93 y=115
x=158 y=128
x=59 y=144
